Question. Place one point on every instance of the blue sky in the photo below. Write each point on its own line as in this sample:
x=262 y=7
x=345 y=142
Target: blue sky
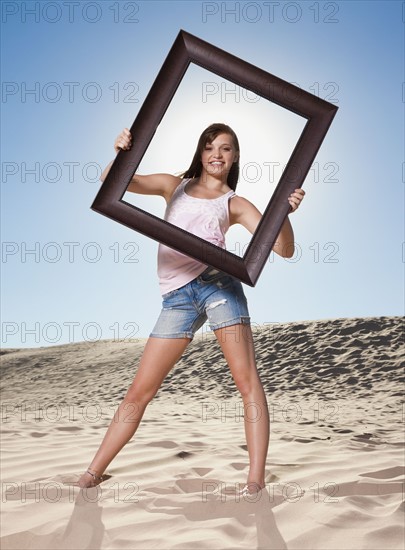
x=89 y=68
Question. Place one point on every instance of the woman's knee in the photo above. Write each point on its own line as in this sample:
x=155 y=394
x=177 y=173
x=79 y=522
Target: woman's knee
x=248 y=383
x=245 y=387
x=140 y=395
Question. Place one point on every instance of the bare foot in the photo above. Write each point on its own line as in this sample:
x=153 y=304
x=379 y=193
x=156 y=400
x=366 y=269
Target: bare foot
x=90 y=479
x=249 y=488
x=252 y=488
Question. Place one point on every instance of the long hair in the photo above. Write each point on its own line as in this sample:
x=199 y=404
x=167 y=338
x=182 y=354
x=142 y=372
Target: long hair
x=208 y=136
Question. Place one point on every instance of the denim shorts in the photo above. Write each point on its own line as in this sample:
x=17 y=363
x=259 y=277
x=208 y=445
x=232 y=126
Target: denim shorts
x=212 y=296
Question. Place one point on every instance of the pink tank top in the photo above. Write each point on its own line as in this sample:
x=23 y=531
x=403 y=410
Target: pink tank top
x=206 y=218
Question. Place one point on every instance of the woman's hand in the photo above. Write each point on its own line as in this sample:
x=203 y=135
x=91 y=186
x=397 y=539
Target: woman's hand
x=295 y=199
x=123 y=141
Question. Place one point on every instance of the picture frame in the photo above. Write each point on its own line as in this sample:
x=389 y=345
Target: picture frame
x=188 y=49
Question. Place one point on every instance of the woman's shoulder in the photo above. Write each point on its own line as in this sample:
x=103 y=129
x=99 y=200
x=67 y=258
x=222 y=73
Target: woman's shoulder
x=174 y=184
x=239 y=203
x=241 y=208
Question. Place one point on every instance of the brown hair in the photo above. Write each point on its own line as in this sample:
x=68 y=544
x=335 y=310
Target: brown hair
x=208 y=136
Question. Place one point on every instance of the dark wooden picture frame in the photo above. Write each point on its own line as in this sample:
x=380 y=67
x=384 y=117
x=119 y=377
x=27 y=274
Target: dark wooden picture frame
x=190 y=49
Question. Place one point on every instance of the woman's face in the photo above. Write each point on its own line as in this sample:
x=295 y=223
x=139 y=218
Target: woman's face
x=217 y=157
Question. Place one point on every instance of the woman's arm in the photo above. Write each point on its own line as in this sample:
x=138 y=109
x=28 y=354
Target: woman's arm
x=284 y=245
x=244 y=212
x=153 y=184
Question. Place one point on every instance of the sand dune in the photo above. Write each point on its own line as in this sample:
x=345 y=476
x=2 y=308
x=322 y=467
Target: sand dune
x=335 y=466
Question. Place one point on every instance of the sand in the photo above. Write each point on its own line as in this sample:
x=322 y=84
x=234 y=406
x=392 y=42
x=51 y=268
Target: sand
x=335 y=464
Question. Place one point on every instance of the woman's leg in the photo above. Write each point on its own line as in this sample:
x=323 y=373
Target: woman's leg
x=158 y=358
x=237 y=345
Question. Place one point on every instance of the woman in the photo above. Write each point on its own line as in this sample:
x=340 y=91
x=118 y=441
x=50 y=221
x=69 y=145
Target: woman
x=202 y=201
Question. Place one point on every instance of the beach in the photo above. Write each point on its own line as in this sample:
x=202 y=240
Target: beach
x=335 y=467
